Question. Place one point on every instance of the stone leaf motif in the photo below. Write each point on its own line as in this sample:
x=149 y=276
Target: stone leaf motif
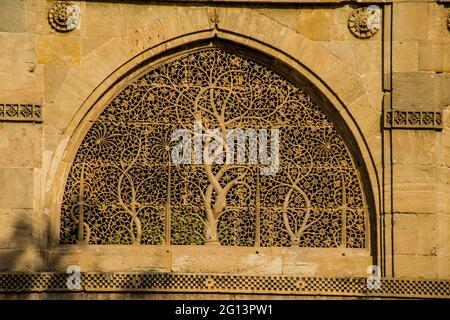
x=364 y=23
x=63 y=16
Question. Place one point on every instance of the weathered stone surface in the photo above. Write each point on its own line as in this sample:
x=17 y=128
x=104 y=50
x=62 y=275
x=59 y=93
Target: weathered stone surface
x=105 y=19
x=16 y=188
x=247 y=261
x=416 y=234
x=418 y=147
x=434 y=56
x=417 y=266
x=12 y=16
x=410 y=21
x=406 y=56
x=20 y=145
x=315 y=24
x=417 y=91
x=56 y=49
x=415 y=189
x=18 y=68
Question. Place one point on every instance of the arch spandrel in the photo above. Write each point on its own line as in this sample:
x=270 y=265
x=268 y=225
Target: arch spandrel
x=122 y=187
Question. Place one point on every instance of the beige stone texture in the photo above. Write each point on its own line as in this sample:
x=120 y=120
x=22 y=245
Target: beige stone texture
x=434 y=56
x=410 y=21
x=56 y=49
x=20 y=145
x=12 y=16
x=416 y=234
x=18 y=68
x=405 y=56
x=16 y=188
x=417 y=266
x=426 y=87
x=75 y=74
x=105 y=19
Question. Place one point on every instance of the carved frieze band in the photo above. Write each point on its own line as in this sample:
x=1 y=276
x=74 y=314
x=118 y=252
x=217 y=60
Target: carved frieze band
x=398 y=119
x=224 y=283
x=21 y=112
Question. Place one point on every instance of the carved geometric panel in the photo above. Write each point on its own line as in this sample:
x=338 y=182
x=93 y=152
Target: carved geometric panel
x=20 y=112
x=398 y=119
x=123 y=187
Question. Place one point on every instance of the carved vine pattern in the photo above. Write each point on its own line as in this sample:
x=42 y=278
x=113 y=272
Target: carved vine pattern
x=124 y=189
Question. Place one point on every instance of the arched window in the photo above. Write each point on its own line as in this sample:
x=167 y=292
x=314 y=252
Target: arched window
x=124 y=186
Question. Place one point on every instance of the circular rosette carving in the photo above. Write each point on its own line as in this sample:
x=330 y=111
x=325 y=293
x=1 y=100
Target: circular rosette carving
x=365 y=22
x=63 y=16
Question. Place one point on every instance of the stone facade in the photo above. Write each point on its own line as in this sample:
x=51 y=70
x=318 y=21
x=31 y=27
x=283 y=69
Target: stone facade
x=388 y=85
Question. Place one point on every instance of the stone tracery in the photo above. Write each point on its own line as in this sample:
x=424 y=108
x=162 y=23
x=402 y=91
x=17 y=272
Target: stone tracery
x=123 y=189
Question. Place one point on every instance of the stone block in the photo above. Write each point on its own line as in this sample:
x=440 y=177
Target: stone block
x=405 y=56
x=111 y=258
x=17 y=66
x=20 y=145
x=417 y=91
x=416 y=234
x=105 y=20
x=12 y=16
x=416 y=266
x=417 y=147
x=415 y=189
x=21 y=260
x=315 y=24
x=58 y=49
x=434 y=56
x=55 y=75
x=225 y=260
x=410 y=21
x=16 y=188
x=23 y=229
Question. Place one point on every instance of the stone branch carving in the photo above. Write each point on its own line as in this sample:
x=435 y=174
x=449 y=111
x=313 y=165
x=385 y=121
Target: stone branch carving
x=21 y=112
x=123 y=187
x=397 y=119
x=63 y=16
x=364 y=22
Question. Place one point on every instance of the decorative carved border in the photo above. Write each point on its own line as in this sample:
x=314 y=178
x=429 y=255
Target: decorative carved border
x=21 y=112
x=224 y=283
x=397 y=119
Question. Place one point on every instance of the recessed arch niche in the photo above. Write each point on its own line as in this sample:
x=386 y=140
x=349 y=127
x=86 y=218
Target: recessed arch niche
x=123 y=189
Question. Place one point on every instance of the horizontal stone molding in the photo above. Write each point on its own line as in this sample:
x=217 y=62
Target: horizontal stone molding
x=401 y=119
x=225 y=283
x=20 y=113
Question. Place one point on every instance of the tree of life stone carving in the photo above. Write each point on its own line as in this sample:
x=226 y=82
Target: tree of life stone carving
x=124 y=188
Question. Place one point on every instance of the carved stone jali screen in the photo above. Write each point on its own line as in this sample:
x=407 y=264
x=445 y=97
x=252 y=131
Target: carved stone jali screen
x=123 y=187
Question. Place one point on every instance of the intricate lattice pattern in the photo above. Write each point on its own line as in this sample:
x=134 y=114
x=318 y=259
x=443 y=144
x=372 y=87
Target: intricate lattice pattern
x=229 y=283
x=123 y=187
